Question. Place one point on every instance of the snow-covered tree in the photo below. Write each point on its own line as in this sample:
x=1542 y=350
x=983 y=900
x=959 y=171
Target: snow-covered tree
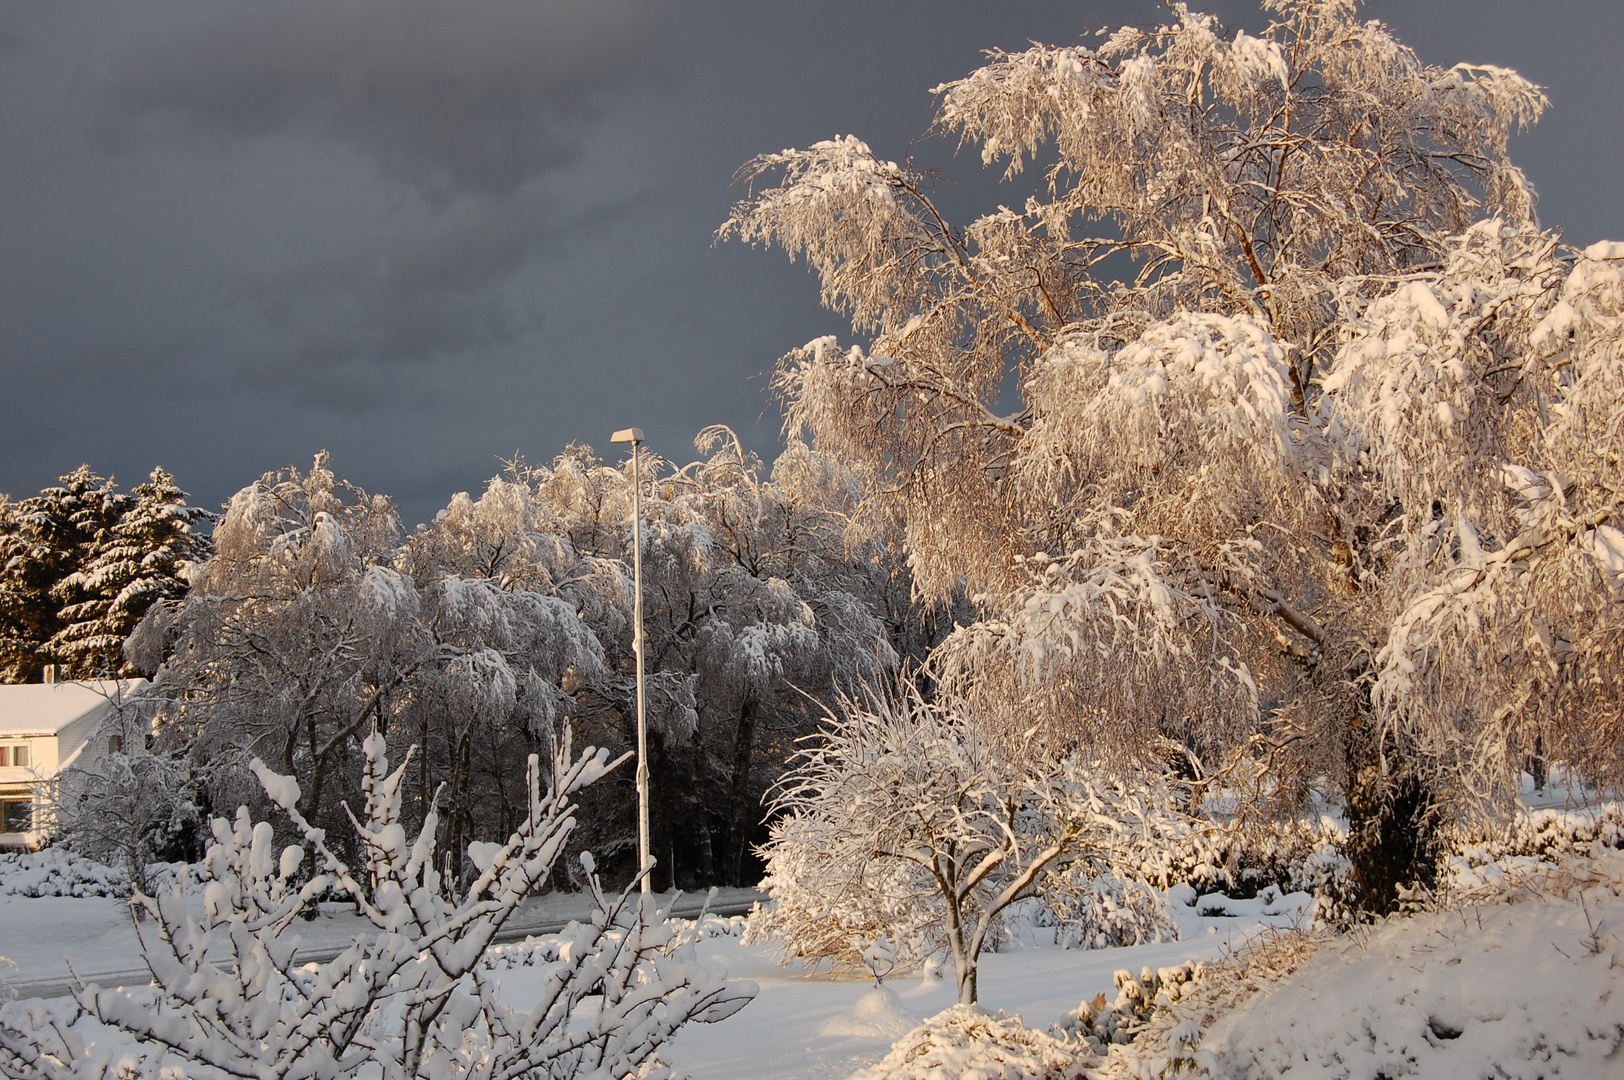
x=47 y=539
x=907 y=821
x=309 y=625
x=750 y=587
x=294 y=638
x=128 y=808
x=409 y=999
x=495 y=588
x=141 y=559
x=1482 y=404
x=1204 y=535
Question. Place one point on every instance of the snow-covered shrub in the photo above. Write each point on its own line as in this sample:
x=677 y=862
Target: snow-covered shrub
x=904 y=820
x=1090 y=911
x=410 y=1001
x=1140 y=999
x=1293 y=855
x=1555 y=835
x=1154 y=1027
x=129 y=810
x=1530 y=845
x=965 y=1043
x=55 y=871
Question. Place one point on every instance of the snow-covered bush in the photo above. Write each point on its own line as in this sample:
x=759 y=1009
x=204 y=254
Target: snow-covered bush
x=413 y=999
x=55 y=871
x=965 y=1042
x=905 y=820
x=128 y=810
x=1529 y=845
x=1097 y=911
x=1140 y=999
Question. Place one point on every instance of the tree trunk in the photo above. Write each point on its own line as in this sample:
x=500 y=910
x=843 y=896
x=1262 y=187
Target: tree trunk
x=965 y=960
x=739 y=804
x=457 y=817
x=1394 y=829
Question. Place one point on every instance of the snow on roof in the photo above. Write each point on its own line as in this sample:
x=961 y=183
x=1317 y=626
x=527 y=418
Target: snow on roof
x=47 y=708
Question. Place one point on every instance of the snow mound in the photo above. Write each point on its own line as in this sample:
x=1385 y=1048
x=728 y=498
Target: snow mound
x=878 y=1014
x=965 y=1043
x=1530 y=986
x=55 y=872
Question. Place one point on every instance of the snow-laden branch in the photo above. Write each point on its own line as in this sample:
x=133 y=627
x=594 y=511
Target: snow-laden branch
x=904 y=821
x=409 y=1000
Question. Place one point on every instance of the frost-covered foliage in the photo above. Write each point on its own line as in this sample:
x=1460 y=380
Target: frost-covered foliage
x=128 y=808
x=56 y=871
x=757 y=604
x=1098 y=911
x=1528 y=846
x=412 y=999
x=1242 y=171
x=1485 y=402
x=1325 y=489
x=301 y=633
x=1151 y=995
x=904 y=820
x=509 y=614
x=965 y=1042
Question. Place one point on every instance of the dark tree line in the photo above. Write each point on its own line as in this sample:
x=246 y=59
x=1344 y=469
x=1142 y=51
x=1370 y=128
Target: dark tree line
x=81 y=563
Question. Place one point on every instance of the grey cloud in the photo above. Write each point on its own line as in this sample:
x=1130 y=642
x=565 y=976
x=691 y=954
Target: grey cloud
x=417 y=295
x=475 y=96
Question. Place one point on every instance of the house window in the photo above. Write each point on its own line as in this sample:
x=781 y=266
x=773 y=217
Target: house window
x=14 y=756
x=16 y=815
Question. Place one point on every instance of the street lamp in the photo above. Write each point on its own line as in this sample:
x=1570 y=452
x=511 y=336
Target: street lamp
x=635 y=437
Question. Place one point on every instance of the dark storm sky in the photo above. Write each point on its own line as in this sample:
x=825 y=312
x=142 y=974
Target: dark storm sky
x=426 y=234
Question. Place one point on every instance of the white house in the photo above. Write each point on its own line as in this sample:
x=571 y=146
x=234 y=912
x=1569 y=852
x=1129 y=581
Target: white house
x=44 y=728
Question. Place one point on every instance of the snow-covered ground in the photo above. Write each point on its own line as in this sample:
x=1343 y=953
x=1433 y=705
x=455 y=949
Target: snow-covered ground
x=1528 y=985
x=790 y=1031
x=44 y=937
x=1522 y=980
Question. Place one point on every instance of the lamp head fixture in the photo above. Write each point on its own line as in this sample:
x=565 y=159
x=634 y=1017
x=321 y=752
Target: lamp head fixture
x=631 y=435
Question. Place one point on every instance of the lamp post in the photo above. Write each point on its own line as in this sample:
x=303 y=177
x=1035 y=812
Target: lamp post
x=635 y=437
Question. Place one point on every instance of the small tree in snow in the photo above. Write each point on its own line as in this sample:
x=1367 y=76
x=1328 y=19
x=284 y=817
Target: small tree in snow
x=412 y=1000
x=127 y=807
x=905 y=820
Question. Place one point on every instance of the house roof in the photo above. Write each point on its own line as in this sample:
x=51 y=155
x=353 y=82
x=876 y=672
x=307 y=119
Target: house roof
x=47 y=708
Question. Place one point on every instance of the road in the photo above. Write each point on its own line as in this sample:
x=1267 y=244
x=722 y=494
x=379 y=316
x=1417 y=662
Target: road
x=63 y=986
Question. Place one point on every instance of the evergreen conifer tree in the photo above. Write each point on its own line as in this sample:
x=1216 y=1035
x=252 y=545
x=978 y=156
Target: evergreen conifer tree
x=136 y=562
x=47 y=539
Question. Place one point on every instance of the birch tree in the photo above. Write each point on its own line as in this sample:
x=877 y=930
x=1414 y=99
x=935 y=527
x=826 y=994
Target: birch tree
x=1203 y=534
